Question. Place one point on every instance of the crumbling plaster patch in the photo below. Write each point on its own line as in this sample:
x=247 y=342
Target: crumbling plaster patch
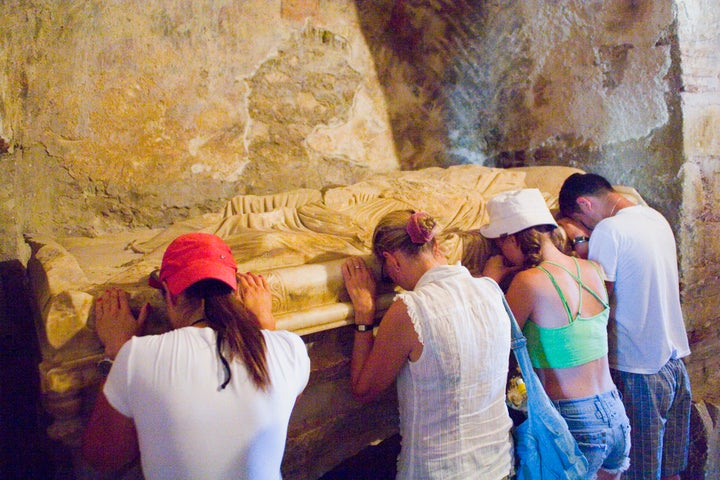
x=146 y=106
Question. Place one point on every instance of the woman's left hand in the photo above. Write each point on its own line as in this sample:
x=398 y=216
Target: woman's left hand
x=361 y=287
x=114 y=322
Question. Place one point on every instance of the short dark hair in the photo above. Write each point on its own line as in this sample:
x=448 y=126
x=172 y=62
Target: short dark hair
x=578 y=185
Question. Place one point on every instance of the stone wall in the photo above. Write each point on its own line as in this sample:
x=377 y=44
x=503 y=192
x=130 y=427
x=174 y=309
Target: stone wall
x=134 y=114
x=699 y=34
x=119 y=115
x=700 y=45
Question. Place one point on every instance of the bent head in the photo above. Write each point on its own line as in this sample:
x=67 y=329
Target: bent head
x=193 y=257
x=406 y=231
x=583 y=196
x=519 y=222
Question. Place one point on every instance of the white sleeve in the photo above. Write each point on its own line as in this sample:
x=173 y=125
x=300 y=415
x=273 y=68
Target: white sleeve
x=290 y=354
x=604 y=250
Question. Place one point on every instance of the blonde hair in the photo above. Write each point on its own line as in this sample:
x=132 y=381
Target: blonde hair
x=391 y=233
x=530 y=242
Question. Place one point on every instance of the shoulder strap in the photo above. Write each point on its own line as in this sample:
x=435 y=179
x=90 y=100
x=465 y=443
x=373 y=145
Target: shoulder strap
x=557 y=288
x=519 y=347
x=542 y=412
x=602 y=280
x=581 y=285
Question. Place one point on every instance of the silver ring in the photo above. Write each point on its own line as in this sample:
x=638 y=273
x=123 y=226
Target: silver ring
x=357 y=266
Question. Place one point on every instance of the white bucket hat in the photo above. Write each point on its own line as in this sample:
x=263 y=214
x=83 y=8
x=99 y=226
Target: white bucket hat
x=513 y=211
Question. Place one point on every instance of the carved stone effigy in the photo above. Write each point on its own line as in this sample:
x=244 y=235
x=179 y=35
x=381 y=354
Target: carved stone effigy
x=298 y=240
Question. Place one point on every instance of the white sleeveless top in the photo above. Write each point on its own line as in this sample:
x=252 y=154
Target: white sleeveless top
x=453 y=417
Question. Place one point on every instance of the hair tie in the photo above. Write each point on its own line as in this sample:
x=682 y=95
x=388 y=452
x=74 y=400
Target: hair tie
x=415 y=230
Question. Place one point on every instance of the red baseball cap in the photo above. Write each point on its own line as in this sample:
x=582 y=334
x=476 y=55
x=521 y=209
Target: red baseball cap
x=193 y=257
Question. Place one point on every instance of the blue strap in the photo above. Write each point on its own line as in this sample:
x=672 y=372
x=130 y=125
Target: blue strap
x=544 y=443
x=519 y=347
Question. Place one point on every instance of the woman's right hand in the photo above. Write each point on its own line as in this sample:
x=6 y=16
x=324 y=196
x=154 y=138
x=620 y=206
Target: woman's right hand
x=361 y=287
x=254 y=292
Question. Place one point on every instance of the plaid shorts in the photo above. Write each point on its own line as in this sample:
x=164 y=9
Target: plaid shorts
x=658 y=406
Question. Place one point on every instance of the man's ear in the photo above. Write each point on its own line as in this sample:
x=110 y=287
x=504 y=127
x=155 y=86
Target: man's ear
x=584 y=203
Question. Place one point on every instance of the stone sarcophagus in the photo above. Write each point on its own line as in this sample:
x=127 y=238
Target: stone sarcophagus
x=298 y=241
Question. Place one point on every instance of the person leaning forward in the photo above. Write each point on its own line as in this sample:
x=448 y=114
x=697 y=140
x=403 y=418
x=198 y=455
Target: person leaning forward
x=636 y=247
x=561 y=304
x=446 y=339
x=209 y=399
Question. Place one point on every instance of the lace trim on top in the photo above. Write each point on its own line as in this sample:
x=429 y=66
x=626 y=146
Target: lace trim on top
x=409 y=305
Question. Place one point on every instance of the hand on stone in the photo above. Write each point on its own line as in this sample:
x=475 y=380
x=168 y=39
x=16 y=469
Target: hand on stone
x=254 y=293
x=114 y=322
x=496 y=269
x=361 y=287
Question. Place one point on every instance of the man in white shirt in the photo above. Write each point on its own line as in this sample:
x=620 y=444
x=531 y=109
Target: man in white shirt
x=636 y=247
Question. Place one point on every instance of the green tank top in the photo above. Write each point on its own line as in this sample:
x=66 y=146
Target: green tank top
x=582 y=340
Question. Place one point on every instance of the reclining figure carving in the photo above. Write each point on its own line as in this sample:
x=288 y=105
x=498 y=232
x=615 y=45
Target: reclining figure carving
x=298 y=240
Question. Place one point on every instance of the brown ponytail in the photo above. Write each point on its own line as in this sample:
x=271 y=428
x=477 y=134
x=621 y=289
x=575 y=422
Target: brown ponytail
x=239 y=333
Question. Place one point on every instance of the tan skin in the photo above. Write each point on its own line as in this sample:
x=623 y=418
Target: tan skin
x=377 y=360
x=531 y=295
x=110 y=440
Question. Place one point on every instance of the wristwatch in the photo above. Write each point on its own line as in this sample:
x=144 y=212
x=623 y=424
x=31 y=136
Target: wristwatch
x=579 y=239
x=364 y=328
x=104 y=366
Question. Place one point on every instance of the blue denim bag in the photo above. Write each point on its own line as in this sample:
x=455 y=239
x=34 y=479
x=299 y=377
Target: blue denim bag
x=543 y=443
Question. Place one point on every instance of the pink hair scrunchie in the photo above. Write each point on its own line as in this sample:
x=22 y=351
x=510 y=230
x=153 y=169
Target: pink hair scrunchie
x=416 y=232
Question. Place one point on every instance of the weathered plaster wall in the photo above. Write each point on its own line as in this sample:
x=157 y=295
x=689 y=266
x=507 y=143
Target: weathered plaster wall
x=700 y=45
x=591 y=84
x=130 y=114
x=135 y=113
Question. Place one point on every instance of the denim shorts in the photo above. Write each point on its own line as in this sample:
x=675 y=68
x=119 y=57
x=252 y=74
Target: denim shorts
x=602 y=430
x=659 y=409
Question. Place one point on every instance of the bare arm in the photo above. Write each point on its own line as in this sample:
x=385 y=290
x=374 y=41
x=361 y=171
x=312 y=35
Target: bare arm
x=610 y=287
x=376 y=361
x=109 y=441
x=520 y=296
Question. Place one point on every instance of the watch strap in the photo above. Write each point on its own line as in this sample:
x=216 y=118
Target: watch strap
x=104 y=366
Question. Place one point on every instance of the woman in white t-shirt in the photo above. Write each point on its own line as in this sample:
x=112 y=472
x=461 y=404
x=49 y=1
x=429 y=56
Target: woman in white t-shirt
x=209 y=399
